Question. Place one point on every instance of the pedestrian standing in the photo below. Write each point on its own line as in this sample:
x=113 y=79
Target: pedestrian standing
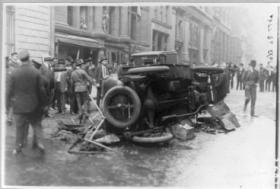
x=9 y=111
x=239 y=75
x=227 y=73
x=101 y=74
x=70 y=96
x=14 y=62
x=80 y=79
x=231 y=75
x=89 y=68
x=47 y=71
x=26 y=88
x=261 y=78
x=46 y=77
x=60 y=85
x=268 y=78
x=251 y=79
x=273 y=79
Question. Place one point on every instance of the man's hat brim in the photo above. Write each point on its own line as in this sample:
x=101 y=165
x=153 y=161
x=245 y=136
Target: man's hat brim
x=37 y=62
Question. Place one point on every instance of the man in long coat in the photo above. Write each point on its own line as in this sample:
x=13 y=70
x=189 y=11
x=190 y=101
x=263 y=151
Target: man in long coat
x=26 y=88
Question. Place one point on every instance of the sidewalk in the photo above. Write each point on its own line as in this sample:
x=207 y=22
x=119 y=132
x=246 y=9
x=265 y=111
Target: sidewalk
x=243 y=158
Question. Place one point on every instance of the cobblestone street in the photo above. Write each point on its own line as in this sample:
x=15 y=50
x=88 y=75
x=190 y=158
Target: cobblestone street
x=242 y=158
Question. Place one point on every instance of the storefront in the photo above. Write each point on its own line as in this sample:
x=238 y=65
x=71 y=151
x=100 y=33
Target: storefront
x=77 y=47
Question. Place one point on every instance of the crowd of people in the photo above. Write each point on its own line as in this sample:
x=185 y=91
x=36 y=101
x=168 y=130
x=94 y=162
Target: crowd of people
x=249 y=78
x=266 y=80
x=34 y=87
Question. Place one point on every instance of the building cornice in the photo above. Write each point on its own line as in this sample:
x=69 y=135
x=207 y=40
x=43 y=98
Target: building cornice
x=198 y=15
x=107 y=38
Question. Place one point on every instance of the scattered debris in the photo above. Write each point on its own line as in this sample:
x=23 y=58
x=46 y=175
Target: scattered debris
x=224 y=116
x=183 y=132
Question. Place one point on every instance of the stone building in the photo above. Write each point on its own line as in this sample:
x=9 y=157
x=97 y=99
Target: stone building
x=199 y=34
x=162 y=28
x=203 y=35
x=81 y=32
x=193 y=35
x=29 y=27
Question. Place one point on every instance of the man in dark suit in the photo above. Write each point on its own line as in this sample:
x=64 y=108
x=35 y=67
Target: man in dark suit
x=101 y=74
x=251 y=79
x=80 y=80
x=26 y=87
x=261 y=78
x=240 y=74
x=60 y=75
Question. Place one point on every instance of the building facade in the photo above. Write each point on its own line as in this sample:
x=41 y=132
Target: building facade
x=199 y=34
x=81 y=32
x=29 y=27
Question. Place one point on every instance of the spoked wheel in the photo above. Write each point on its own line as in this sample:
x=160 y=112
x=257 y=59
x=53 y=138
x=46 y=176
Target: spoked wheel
x=121 y=106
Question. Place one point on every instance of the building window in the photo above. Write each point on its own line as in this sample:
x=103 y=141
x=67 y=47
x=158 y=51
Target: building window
x=166 y=14
x=93 y=18
x=84 y=17
x=156 y=13
x=179 y=30
x=111 y=20
x=133 y=22
x=194 y=35
x=120 y=20
x=10 y=43
x=70 y=17
x=160 y=41
x=161 y=14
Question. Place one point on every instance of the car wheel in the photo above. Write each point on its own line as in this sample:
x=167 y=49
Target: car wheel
x=165 y=137
x=121 y=106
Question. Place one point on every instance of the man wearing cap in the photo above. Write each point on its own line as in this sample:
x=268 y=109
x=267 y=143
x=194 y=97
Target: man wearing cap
x=26 y=88
x=101 y=74
x=250 y=80
x=80 y=79
x=60 y=75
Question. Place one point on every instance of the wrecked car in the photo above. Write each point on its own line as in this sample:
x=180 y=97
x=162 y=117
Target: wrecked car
x=156 y=90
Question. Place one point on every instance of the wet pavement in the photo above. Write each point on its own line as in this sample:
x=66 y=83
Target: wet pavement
x=212 y=160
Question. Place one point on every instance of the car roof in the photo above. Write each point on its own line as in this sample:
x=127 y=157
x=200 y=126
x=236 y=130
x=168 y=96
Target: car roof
x=151 y=53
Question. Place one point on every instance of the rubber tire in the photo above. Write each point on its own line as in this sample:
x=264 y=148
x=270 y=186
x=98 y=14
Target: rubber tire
x=148 y=69
x=136 y=101
x=208 y=70
x=152 y=140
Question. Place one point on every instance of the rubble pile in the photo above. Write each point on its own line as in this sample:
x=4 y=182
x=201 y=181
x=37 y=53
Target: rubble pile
x=86 y=133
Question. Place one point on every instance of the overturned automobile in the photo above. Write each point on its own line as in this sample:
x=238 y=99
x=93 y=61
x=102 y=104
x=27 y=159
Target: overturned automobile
x=155 y=91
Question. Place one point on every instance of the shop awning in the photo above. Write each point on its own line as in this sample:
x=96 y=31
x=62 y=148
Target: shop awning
x=76 y=40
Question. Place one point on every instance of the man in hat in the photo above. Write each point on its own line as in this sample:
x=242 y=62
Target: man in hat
x=70 y=96
x=250 y=80
x=26 y=88
x=240 y=73
x=14 y=61
x=89 y=68
x=48 y=78
x=101 y=74
x=80 y=80
x=60 y=76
